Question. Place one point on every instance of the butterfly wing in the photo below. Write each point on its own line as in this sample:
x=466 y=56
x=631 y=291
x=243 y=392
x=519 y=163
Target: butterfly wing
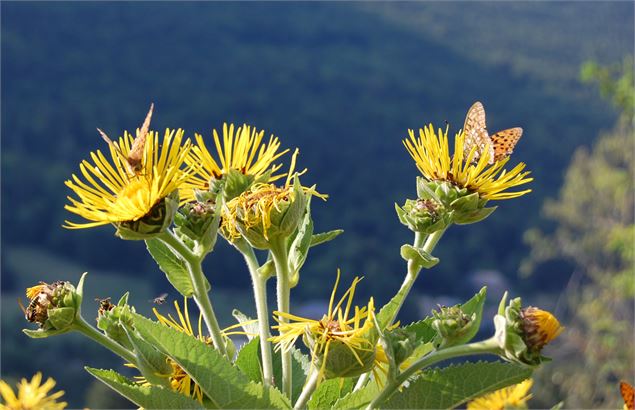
x=504 y=142
x=628 y=394
x=476 y=132
x=135 y=156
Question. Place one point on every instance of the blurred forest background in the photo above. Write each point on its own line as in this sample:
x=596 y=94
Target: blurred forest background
x=343 y=82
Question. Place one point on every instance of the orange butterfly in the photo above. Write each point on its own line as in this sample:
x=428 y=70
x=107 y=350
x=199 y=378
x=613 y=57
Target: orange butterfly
x=500 y=145
x=628 y=394
x=135 y=157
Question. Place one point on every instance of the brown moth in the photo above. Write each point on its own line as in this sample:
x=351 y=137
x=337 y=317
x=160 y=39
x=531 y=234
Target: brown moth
x=500 y=145
x=134 y=160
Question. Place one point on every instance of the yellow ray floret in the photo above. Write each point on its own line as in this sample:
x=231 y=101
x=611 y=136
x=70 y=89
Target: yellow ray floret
x=108 y=193
x=431 y=153
x=32 y=395
x=242 y=149
x=513 y=397
x=335 y=326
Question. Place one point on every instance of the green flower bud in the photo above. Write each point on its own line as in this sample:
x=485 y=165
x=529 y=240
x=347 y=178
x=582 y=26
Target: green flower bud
x=453 y=326
x=114 y=319
x=522 y=332
x=154 y=222
x=195 y=220
x=402 y=344
x=423 y=215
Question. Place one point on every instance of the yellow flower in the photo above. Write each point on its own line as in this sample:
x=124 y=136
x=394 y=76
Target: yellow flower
x=31 y=395
x=336 y=330
x=539 y=327
x=180 y=381
x=431 y=153
x=514 y=397
x=262 y=206
x=109 y=193
x=243 y=151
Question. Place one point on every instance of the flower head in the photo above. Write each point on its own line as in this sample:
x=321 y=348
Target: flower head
x=32 y=395
x=522 y=333
x=110 y=193
x=52 y=306
x=266 y=211
x=341 y=346
x=242 y=151
x=512 y=397
x=431 y=153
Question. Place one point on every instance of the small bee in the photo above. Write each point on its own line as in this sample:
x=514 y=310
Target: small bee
x=105 y=305
x=31 y=312
x=161 y=299
x=134 y=160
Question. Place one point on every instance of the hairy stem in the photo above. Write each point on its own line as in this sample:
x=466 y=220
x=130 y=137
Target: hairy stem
x=200 y=296
x=87 y=330
x=307 y=391
x=280 y=259
x=260 y=296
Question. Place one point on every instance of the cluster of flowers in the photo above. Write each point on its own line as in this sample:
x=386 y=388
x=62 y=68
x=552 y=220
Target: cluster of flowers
x=147 y=185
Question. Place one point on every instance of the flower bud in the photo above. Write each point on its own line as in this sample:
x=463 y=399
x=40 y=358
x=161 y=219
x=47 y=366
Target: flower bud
x=114 y=320
x=154 y=222
x=52 y=306
x=423 y=215
x=523 y=332
x=453 y=326
x=196 y=221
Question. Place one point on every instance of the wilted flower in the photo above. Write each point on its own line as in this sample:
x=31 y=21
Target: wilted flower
x=32 y=395
x=340 y=346
x=266 y=212
x=512 y=397
x=139 y=204
x=242 y=152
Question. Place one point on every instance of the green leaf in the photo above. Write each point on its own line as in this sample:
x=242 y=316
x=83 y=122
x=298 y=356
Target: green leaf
x=329 y=391
x=302 y=241
x=248 y=360
x=41 y=334
x=248 y=324
x=475 y=306
x=223 y=383
x=451 y=386
x=423 y=330
x=61 y=318
x=150 y=362
x=418 y=256
x=358 y=399
x=148 y=397
x=323 y=237
x=172 y=265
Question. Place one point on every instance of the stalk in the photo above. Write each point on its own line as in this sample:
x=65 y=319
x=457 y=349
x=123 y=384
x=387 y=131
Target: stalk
x=280 y=260
x=87 y=330
x=308 y=389
x=260 y=296
x=200 y=296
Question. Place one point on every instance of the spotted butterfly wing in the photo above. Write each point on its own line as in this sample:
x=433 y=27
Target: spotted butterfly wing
x=476 y=133
x=628 y=394
x=504 y=142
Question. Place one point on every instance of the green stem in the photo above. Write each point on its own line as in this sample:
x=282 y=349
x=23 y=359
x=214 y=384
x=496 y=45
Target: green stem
x=260 y=295
x=308 y=389
x=280 y=260
x=87 y=330
x=489 y=346
x=200 y=296
x=413 y=268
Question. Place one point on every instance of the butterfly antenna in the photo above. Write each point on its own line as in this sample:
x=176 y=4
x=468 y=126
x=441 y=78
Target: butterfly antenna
x=105 y=137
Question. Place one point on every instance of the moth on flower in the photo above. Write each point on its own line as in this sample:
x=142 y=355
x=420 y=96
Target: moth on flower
x=136 y=189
